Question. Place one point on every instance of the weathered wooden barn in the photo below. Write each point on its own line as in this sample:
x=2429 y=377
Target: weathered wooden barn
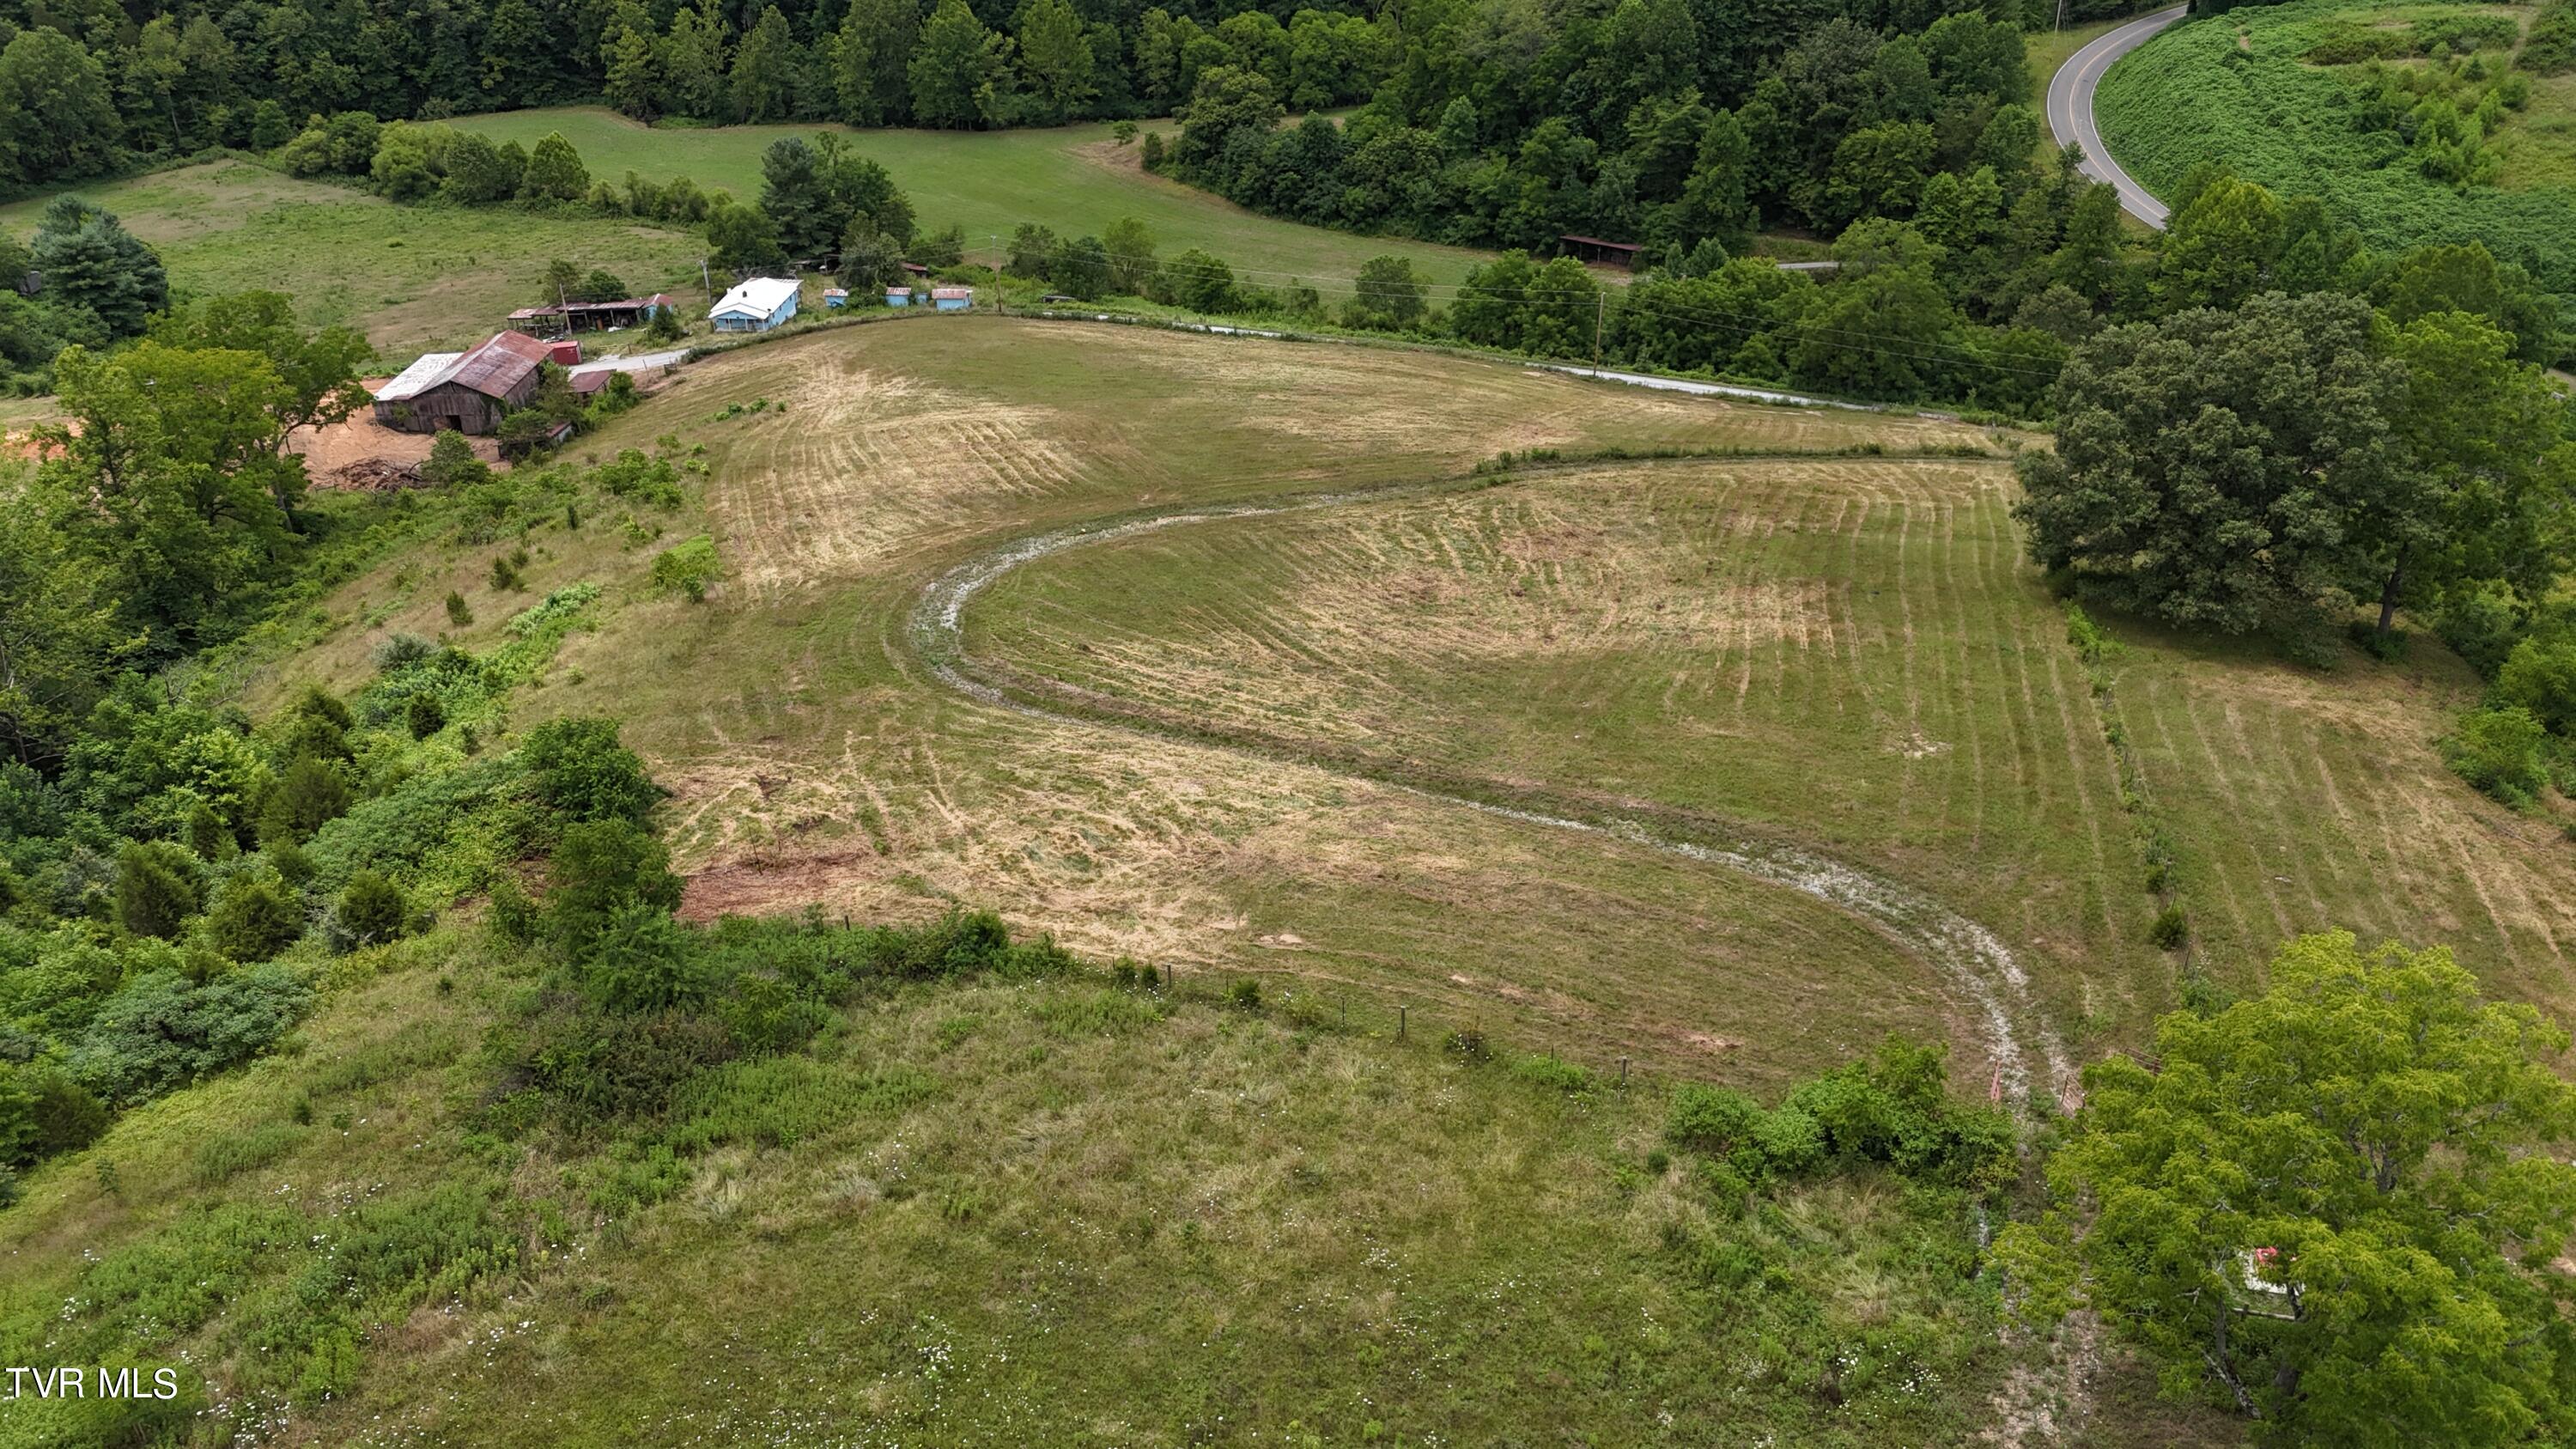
x=469 y=392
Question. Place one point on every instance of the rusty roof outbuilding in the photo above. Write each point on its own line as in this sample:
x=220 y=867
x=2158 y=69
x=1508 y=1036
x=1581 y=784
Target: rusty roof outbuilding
x=494 y=368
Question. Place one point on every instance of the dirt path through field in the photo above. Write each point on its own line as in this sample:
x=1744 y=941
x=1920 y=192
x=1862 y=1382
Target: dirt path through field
x=1984 y=971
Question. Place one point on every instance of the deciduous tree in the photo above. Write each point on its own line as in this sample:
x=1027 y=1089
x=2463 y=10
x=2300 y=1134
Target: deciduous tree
x=956 y=68
x=2213 y=469
x=2338 y=1206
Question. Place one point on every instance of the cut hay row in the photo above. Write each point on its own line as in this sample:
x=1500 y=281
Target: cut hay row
x=2307 y=802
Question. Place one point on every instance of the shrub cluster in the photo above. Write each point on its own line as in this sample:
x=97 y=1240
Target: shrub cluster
x=1892 y=1108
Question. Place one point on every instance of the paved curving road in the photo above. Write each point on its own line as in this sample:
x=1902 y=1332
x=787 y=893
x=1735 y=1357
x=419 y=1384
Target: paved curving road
x=2070 y=109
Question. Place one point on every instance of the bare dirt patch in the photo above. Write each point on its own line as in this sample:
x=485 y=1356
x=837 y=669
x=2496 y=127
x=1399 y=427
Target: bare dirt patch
x=338 y=455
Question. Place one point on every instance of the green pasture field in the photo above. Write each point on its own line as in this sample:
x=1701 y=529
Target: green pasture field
x=412 y=278
x=2237 y=88
x=1073 y=179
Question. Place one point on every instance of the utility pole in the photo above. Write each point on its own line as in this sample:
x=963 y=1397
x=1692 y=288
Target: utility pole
x=1600 y=306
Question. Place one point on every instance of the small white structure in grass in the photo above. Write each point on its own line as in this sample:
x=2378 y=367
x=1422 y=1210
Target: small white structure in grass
x=755 y=306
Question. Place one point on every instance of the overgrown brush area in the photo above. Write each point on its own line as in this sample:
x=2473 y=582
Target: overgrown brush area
x=2414 y=124
x=933 y=1183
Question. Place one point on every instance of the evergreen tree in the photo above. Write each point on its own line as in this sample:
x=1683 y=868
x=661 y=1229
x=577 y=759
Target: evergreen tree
x=370 y=909
x=156 y=887
x=91 y=261
x=255 y=916
x=307 y=796
x=768 y=70
x=792 y=192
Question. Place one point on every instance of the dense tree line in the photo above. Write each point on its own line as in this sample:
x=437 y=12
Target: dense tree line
x=84 y=86
x=1649 y=123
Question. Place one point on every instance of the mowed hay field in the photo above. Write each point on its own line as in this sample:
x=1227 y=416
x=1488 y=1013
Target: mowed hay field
x=2308 y=800
x=412 y=278
x=816 y=760
x=1073 y=179
x=1849 y=651
x=1828 y=651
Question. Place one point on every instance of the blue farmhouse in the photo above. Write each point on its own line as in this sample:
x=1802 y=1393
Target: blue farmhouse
x=755 y=306
x=952 y=299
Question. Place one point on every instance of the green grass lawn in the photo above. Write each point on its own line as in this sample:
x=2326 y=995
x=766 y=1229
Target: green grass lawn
x=1073 y=179
x=2238 y=88
x=413 y=278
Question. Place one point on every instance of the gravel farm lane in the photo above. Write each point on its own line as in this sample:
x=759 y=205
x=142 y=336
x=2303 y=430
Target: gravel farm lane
x=2070 y=108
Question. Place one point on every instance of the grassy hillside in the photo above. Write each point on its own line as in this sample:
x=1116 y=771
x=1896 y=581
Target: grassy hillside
x=2244 y=88
x=815 y=761
x=1073 y=179
x=994 y=1212
x=1851 y=652
x=1775 y=697
x=1845 y=654
x=411 y=278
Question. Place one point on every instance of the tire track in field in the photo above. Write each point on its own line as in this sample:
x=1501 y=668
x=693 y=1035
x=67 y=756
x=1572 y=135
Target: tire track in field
x=1973 y=959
